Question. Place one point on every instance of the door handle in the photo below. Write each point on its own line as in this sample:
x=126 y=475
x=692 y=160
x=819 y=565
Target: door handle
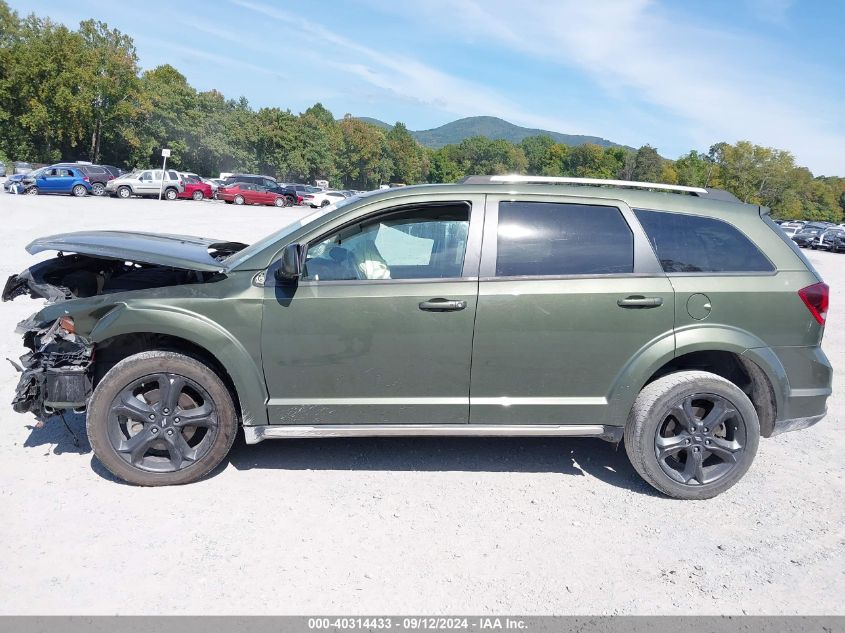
x=638 y=301
x=442 y=305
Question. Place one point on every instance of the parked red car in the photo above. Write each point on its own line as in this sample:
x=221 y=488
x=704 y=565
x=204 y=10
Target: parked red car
x=195 y=188
x=248 y=193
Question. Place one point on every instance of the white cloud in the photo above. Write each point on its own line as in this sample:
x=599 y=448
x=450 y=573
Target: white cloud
x=721 y=84
x=404 y=78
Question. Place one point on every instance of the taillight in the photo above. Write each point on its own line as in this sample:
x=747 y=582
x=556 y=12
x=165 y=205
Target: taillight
x=85 y=178
x=816 y=298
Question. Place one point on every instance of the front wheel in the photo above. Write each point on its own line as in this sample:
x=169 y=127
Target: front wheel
x=124 y=192
x=692 y=434
x=32 y=191
x=325 y=203
x=279 y=202
x=197 y=195
x=160 y=418
x=79 y=191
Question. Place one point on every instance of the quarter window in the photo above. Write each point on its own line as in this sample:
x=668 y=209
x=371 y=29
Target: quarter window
x=419 y=243
x=549 y=238
x=693 y=244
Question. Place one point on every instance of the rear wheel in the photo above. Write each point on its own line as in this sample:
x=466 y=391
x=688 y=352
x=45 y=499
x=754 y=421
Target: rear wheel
x=79 y=191
x=692 y=434
x=124 y=192
x=160 y=418
x=197 y=195
x=290 y=200
x=170 y=194
x=98 y=189
x=239 y=200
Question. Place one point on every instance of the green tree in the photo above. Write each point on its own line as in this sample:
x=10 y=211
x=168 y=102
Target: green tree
x=406 y=155
x=536 y=149
x=363 y=158
x=694 y=169
x=648 y=165
x=113 y=88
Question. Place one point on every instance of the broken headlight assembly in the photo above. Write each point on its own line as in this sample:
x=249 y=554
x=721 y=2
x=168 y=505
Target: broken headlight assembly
x=55 y=373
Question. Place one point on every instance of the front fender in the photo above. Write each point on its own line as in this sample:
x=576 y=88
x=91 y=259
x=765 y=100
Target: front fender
x=201 y=331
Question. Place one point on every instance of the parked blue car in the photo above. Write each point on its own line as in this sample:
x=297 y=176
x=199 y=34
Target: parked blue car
x=57 y=179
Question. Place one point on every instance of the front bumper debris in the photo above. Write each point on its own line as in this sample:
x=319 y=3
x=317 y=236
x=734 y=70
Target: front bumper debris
x=55 y=373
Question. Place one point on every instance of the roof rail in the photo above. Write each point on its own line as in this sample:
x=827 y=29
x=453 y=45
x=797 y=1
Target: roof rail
x=716 y=194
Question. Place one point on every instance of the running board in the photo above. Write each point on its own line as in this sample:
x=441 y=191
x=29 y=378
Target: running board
x=256 y=434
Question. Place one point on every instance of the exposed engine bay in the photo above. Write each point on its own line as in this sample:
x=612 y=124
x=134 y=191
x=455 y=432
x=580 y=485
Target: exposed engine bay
x=78 y=276
x=57 y=372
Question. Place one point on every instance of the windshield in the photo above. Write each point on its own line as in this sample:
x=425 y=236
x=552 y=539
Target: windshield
x=281 y=234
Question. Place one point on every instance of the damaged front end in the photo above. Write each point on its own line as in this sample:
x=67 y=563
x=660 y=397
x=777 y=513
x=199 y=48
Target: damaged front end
x=56 y=372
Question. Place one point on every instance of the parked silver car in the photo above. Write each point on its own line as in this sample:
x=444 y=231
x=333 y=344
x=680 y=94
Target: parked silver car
x=147 y=182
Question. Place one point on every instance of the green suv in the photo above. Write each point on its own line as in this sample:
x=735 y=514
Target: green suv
x=675 y=318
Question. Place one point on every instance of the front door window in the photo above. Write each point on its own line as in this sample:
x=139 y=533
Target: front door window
x=423 y=243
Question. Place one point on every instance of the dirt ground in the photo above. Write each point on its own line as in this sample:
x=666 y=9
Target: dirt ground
x=397 y=526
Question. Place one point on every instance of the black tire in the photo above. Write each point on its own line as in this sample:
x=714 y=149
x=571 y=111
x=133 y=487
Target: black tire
x=98 y=189
x=325 y=203
x=170 y=193
x=79 y=191
x=197 y=195
x=124 y=192
x=279 y=202
x=32 y=191
x=669 y=418
x=239 y=200
x=290 y=200
x=150 y=460
x=228 y=202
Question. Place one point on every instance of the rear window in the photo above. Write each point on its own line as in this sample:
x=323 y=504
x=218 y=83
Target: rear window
x=693 y=244
x=550 y=238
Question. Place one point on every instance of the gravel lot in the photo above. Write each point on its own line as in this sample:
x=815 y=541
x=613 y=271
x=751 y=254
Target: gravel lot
x=400 y=525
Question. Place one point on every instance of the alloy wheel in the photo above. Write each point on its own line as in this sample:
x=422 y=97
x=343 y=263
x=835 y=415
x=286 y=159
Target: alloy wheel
x=98 y=189
x=162 y=423
x=701 y=440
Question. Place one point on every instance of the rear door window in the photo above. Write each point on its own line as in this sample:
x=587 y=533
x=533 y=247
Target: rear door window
x=551 y=238
x=693 y=244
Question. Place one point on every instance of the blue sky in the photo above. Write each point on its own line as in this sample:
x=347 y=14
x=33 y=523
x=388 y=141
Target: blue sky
x=678 y=75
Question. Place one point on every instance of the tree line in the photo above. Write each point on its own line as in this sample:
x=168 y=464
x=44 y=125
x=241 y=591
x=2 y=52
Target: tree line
x=79 y=94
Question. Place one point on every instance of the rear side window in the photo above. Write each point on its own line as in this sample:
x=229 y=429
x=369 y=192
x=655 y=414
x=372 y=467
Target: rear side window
x=692 y=244
x=549 y=238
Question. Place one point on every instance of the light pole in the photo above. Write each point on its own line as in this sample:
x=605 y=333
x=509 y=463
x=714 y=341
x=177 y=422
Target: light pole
x=165 y=153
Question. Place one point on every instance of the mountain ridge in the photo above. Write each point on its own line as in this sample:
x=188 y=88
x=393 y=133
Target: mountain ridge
x=491 y=127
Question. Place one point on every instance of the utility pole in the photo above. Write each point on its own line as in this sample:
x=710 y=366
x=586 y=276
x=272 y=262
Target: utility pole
x=165 y=153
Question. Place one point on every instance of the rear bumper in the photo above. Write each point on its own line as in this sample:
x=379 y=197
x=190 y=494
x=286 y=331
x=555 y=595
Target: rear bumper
x=810 y=378
x=795 y=424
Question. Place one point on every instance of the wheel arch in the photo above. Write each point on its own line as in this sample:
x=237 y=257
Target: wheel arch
x=126 y=330
x=736 y=355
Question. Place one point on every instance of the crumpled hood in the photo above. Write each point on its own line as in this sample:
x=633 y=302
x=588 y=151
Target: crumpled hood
x=177 y=251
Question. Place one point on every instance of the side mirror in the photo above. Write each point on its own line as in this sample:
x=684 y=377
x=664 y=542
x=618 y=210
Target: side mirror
x=291 y=263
